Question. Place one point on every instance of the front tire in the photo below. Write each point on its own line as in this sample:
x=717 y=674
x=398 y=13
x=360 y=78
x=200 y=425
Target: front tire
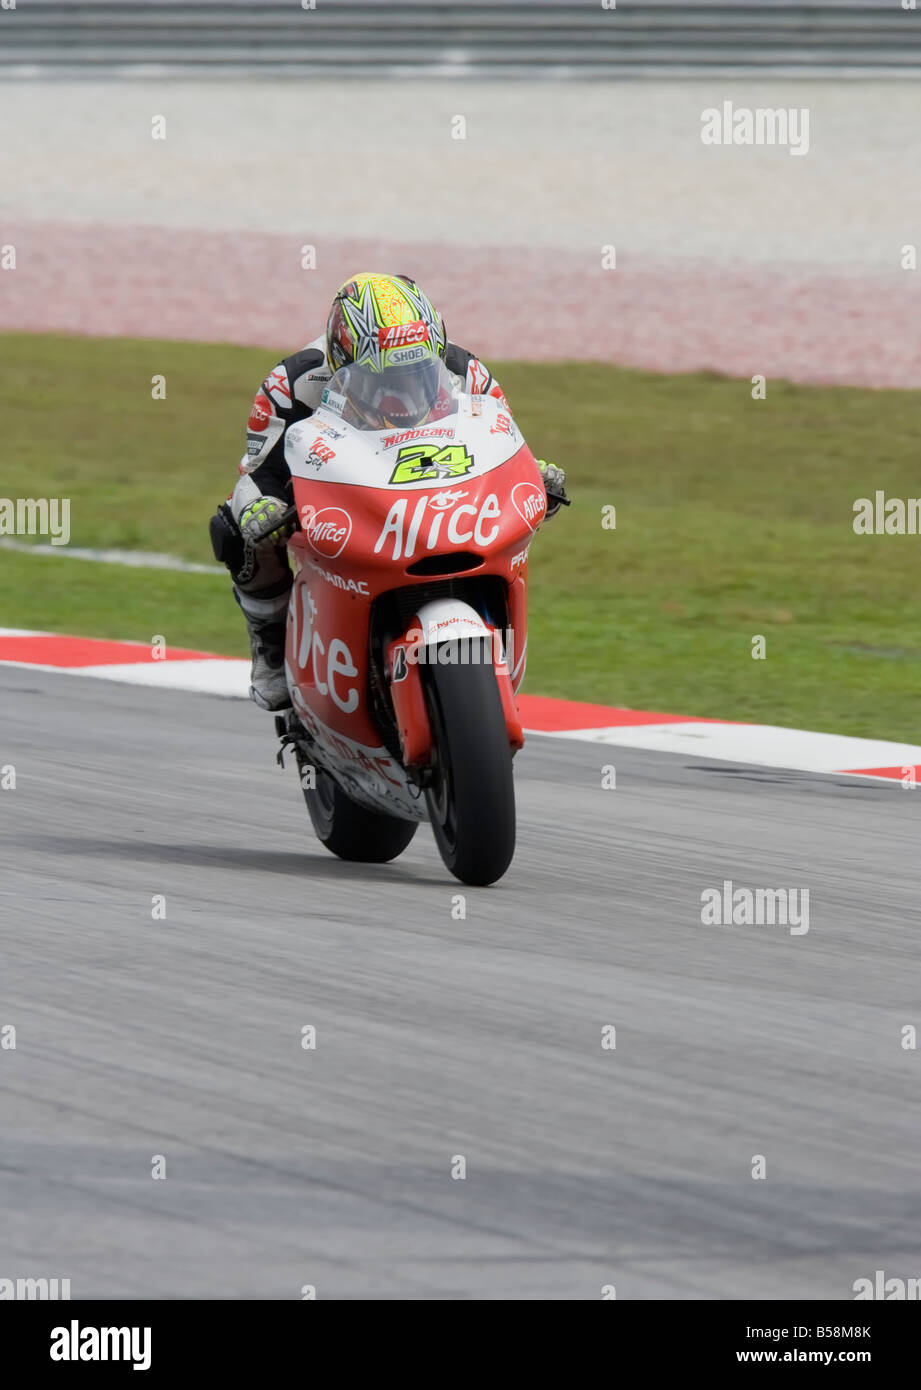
x=349 y=830
x=471 y=799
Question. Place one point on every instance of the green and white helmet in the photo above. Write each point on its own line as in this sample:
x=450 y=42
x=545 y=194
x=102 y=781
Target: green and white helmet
x=391 y=338
x=374 y=317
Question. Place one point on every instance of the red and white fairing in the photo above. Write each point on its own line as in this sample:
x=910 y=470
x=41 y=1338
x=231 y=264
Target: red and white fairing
x=362 y=535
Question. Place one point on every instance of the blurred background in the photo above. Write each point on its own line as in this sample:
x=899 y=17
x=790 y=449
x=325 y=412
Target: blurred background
x=203 y=173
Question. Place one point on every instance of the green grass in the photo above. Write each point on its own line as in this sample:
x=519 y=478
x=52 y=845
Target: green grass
x=733 y=519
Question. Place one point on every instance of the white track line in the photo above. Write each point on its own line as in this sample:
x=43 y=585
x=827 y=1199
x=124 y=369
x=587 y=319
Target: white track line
x=134 y=559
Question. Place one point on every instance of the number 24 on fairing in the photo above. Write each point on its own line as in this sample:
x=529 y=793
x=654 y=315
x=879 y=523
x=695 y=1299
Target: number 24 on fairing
x=418 y=463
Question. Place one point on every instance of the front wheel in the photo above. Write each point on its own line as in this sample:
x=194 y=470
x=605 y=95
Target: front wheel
x=471 y=796
x=351 y=831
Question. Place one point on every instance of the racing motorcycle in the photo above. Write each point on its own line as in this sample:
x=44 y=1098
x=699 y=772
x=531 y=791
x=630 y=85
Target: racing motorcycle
x=407 y=625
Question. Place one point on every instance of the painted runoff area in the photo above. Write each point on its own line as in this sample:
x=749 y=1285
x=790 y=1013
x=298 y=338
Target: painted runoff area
x=726 y=741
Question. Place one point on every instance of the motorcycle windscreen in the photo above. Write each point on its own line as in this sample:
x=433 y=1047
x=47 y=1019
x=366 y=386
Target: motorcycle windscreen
x=396 y=396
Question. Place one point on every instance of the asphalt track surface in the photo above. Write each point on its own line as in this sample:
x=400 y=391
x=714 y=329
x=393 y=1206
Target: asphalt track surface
x=439 y=1037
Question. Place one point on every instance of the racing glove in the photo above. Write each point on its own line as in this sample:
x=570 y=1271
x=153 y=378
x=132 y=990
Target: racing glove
x=554 y=485
x=262 y=518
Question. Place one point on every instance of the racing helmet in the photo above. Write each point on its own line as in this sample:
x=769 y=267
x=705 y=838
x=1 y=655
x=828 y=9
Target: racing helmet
x=390 y=336
x=372 y=315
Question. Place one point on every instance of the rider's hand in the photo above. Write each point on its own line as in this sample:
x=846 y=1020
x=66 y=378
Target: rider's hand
x=265 y=517
x=554 y=485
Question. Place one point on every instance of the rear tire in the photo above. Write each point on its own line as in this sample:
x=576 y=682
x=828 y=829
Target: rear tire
x=349 y=830
x=471 y=799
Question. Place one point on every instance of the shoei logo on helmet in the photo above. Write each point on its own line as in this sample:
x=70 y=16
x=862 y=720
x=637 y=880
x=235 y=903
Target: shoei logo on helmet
x=261 y=413
x=401 y=334
x=404 y=355
x=328 y=530
x=530 y=502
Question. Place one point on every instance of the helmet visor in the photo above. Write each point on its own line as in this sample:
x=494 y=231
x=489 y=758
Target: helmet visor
x=401 y=396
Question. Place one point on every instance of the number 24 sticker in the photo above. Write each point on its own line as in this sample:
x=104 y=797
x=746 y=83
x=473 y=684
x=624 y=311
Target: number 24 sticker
x=417 y=463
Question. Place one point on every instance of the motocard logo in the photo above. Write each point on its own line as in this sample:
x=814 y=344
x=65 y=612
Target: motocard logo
x=401 y=334
x=261 y=413
x=530 y=502
x=328 y=530
x=407 y=436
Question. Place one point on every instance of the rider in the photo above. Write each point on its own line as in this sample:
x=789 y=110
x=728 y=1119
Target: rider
x=247 y=531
